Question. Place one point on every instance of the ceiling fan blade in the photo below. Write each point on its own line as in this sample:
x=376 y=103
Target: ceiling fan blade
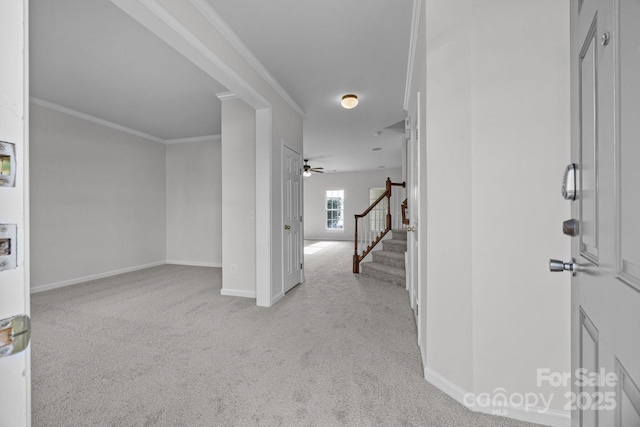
x=316 y=171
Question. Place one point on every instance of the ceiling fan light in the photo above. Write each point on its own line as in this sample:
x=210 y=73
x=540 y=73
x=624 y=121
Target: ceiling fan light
x=306 y=174
x=349 y=101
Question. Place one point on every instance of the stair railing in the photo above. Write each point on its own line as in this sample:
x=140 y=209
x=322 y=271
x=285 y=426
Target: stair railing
x=376 y=221
x=404 y=207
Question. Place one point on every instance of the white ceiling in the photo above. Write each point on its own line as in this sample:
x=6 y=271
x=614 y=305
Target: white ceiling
x=90 y=56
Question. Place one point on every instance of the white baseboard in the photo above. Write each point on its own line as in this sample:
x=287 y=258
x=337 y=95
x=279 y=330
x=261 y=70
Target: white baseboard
x=195 y=264
x=47 y=287
x=551 y=417
x=238 y=293
x=277 y=298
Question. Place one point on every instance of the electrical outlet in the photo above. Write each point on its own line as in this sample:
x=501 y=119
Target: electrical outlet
x=233 y=268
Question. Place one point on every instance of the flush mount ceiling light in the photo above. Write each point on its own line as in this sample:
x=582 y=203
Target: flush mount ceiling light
x=349 y=101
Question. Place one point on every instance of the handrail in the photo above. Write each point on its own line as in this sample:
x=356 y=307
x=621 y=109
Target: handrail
x=373 y=205
x=404 y=207
x=371 y=237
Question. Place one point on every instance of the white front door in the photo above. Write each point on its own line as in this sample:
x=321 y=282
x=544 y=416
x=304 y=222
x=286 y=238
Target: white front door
x=15 y=370
x=414 y=214
x=605 y=290
x=292 y=217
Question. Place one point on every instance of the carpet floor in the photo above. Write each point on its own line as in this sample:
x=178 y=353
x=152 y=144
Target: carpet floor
x=162 y=347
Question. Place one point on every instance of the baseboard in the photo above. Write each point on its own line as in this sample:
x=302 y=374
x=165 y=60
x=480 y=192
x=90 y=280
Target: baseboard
x=195 y=264
x=48 y=287
x=277 y=298
x=329 y=238
x=238 y=293
x=445 y=385
x=551 y=417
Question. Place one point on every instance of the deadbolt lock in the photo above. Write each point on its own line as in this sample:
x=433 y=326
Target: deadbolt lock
x=570 y=227
x=14 y=334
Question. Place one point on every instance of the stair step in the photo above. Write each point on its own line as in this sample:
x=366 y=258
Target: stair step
x=394 y=245
x=392 y=259
x=399 y=234
x=387 y=273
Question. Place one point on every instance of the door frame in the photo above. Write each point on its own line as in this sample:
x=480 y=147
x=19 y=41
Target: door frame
x=15 y=370
x=413 y=154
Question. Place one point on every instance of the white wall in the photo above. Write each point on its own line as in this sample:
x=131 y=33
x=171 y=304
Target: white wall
x=98 y=200
x=521 y=129
x=356 y=187
x=238 y=199
x=448 y=207
x=497 y=139
x=194 y=203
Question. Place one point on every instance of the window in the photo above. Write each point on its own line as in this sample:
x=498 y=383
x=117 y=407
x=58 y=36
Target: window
x=335 y=209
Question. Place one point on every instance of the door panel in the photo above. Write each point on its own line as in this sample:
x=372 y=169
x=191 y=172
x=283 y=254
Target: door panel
x=605 y=146
x=589 y=168
x=629 y=151
x=414 y=214
x=292 y=218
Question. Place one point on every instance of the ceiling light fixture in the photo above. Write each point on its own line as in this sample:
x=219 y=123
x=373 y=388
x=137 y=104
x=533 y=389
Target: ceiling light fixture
x=349 y=101
x=306 y=174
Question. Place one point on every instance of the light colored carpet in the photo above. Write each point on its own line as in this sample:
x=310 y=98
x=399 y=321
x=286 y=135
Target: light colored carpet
x=161 y=347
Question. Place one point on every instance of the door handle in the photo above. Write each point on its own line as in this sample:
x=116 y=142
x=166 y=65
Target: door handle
x=287 y=227
x=411 y=229
x=556 y=265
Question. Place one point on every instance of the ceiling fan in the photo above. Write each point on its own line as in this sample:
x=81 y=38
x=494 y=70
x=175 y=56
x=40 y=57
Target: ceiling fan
x=308 y=169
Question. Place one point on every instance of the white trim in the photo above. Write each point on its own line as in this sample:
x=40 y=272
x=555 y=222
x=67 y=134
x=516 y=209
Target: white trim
x=553 y=418
x=204 y=138
x=237 y=293
x=226 y=96
x=195 y=263
x=151 y=15
x=413 y=43
x=93 y=119
x=212 y=16
x=277 y=298
x=42 y=288
x=445 y=385
x=264 y=208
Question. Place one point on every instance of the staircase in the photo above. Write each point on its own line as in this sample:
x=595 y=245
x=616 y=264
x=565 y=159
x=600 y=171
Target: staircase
x=388 y=264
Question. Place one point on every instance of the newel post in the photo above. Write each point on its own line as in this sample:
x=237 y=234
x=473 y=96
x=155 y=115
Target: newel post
x=388 y=203
x=356 y=258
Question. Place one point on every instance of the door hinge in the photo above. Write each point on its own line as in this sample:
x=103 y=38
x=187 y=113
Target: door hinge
x=300 y=266
x=14 y=334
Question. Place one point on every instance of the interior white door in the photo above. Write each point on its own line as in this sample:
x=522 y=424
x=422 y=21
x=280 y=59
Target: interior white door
x=414 y=213
x=605 y=290
x=15 y=374
x=292 y=242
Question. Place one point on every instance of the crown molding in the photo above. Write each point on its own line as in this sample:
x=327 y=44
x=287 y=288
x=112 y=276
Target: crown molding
x=204 y=138
x=415 y=31
x=93 y=119
x=226 y=96
x=212 y=16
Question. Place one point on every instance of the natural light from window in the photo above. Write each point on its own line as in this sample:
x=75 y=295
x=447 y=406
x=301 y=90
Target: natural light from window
x=317 y=247
x=335 y=210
